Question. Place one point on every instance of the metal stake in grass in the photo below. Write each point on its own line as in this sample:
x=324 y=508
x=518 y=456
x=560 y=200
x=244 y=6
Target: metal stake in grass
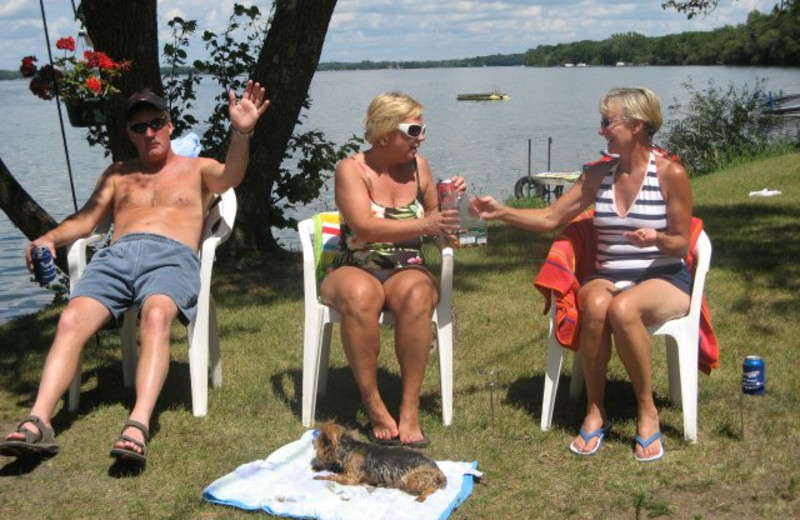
x=741 y=414
x=494 y=383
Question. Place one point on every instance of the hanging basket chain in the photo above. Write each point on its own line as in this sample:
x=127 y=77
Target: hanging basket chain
x=58 y=105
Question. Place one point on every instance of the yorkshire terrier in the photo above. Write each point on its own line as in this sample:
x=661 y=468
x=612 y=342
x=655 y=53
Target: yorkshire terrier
x=354 y=462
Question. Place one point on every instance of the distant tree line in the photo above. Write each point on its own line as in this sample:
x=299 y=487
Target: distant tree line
x=765 y=39
x=494 y=60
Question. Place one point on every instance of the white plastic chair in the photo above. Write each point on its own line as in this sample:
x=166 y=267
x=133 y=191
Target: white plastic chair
x=319 y=319
x=202 y=331
x=682 y=336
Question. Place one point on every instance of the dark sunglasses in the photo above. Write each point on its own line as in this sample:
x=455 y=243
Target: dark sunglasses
x=154 y=124
x=606 y=122
x=412 y=130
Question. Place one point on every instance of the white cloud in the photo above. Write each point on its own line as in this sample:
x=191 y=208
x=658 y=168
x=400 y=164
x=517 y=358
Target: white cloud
x=404 y=29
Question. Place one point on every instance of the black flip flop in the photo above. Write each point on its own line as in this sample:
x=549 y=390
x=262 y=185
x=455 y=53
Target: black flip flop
x=424 y=442
x=394 y=441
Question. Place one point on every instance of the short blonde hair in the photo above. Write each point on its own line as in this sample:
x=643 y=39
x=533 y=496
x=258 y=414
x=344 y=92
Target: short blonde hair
x=638 y=103
x=386 y=111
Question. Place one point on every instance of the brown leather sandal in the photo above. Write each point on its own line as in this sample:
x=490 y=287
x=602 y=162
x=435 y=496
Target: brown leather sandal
x=36 y=444
x=127 y=454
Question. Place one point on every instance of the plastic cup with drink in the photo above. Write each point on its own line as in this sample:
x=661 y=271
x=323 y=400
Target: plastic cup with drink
x=448 y=199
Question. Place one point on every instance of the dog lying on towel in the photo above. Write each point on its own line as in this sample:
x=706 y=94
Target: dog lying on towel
x=356 y=463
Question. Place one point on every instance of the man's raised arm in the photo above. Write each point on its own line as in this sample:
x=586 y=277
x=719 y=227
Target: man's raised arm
x=244 y=115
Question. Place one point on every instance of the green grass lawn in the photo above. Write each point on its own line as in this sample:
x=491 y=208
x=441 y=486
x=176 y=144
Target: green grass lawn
x=746 y=463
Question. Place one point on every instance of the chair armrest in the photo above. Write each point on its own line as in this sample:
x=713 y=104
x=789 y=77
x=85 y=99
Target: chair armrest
x=305 y=229
x=76 y=256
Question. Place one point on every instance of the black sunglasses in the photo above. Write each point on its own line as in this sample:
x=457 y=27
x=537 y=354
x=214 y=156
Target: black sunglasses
x=154 y=124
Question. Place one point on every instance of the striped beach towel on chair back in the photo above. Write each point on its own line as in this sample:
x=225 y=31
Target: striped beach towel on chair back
x=326 y=240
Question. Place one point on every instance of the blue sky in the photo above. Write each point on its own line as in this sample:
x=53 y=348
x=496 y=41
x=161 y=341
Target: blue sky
x=403 y=30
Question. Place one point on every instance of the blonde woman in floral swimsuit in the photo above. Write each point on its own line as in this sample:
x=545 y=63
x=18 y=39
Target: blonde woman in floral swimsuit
x=387 y=200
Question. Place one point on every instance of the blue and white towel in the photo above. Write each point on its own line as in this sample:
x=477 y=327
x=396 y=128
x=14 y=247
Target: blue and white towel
x=188 y=145
x=283 y=485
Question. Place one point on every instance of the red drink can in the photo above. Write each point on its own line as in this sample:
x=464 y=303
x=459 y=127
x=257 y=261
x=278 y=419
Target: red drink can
x=448 y=197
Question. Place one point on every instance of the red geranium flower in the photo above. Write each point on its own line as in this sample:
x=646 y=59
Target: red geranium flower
x=94 y=84
x=28 y=67
x=100 y=60
x=43 y=84
x=67 y=44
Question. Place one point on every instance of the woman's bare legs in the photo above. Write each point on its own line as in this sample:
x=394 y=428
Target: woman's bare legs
x=630 y=313
x=411 y=296
x=359 y=297
x=595 y=351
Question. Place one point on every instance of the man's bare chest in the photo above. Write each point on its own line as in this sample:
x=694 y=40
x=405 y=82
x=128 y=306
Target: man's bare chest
x=158 y=190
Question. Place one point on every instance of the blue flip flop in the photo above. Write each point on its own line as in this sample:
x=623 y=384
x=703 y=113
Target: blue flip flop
x=600 y=433
x=644 y=443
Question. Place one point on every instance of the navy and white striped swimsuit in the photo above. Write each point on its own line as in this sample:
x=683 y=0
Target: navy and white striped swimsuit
x=617 y=258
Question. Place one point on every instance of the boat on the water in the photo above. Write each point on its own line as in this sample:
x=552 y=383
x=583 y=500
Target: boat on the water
x=488 y=96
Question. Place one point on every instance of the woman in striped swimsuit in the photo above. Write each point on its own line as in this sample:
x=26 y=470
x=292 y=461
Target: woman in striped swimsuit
x=387 y=202
x=643 y=210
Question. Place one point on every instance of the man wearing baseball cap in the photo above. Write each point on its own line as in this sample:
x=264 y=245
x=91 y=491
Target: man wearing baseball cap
x=158 y=201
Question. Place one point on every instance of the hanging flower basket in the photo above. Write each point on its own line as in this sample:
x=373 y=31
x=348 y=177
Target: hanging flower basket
x=86 y=112
x=83 y=83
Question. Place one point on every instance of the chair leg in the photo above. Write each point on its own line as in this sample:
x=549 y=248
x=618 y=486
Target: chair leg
x=682 y=361
x=324 y=360
x=577 y=380
x=674 y=371
x=197 y=332
x=444 y=336
x=312 y=352
x=129 y=347
x=555 y=359
x=214 y=351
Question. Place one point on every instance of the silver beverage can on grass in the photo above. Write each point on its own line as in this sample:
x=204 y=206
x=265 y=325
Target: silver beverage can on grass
x=753 y=376
x=44 y=270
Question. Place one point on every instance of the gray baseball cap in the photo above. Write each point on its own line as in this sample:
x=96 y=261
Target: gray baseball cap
x=144 y=97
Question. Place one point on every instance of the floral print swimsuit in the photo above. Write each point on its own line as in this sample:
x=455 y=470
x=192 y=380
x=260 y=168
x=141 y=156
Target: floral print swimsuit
x=383 y=258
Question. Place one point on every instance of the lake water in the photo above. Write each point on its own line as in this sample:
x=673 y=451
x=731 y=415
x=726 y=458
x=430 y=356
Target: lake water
x=487 y=142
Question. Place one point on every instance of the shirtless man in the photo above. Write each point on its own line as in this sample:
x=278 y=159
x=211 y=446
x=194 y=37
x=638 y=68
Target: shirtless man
x=158 y=201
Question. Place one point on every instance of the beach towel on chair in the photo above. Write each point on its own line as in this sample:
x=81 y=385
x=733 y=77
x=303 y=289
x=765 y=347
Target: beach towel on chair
x=326 y=240
x=283 y=485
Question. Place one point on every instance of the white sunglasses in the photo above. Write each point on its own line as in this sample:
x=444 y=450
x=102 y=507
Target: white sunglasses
x=412 y=130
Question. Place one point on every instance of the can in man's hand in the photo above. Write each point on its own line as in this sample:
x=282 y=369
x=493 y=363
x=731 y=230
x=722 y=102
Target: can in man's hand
x=753 y=376
x=44 y=270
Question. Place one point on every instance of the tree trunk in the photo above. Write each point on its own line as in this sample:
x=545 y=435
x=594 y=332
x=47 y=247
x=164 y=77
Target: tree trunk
x=286 y=67
x=25 y=213
x=125 y=31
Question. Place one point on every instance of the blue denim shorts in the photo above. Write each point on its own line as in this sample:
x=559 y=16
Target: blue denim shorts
x=139 y=265
x=677 y=274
